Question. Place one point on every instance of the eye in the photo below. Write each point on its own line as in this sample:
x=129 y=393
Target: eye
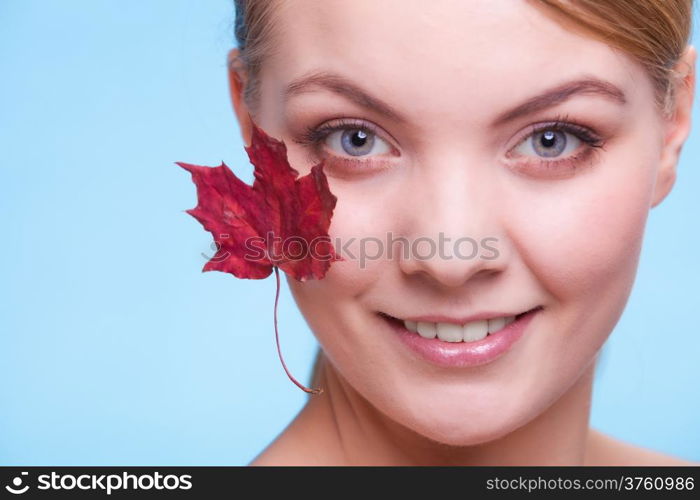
x=347 y=140
x=355 y=141
x=350 y=148
x=549 y=143
x=556 y=148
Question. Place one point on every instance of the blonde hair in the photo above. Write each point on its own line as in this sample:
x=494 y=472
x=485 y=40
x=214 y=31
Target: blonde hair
x=654 y=33
x=254 y=28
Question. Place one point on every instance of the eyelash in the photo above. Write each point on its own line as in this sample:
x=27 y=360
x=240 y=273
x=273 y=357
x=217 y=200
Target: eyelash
x=593 y=143
x=314 y=137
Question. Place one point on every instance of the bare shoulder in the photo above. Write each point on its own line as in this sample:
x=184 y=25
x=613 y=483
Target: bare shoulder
x=300 y=444
x=283 y=451
x=269 y=457
x=604 y=449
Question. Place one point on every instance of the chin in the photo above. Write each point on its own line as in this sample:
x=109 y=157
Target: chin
x=466 y=424
x=465 y=433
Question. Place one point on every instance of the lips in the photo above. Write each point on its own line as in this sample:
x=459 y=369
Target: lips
x=456 y=331
x=445 y=344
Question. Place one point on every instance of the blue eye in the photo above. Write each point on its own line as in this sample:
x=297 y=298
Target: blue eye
x=557 y=140
x=550 y=143
x=356 y=142
x=349 y=147
x=556 y=149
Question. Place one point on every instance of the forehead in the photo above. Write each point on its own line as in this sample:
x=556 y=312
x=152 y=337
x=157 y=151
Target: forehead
x=455 y=51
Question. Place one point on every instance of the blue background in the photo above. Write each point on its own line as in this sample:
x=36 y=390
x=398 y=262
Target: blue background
x=116 y=349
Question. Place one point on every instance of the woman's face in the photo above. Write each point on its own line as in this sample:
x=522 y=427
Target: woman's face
x=427 y=145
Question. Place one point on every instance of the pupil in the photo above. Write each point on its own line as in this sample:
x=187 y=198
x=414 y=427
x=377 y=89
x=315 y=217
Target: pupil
x=548 y=139
x=357 y=142
x=359 y=138
x=549 y=143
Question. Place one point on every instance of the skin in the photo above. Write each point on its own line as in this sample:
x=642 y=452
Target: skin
x=568 y=238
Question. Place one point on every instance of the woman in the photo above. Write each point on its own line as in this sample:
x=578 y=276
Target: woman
x=538 y=135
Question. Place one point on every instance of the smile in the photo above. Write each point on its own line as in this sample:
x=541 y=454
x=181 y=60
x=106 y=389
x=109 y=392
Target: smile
x=451 y=332
x=456 y=343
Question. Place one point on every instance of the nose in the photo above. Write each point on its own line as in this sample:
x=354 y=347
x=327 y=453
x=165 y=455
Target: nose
x=452 y=225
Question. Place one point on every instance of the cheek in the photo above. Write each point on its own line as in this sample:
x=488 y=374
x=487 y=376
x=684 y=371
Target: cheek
x=358 y=230
x=582 y=238
x=361 y=227
x=586 y=237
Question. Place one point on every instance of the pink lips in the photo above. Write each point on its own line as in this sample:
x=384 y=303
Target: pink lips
x=460 y=354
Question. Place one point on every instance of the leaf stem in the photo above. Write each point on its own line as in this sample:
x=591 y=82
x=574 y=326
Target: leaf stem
x=277 y=340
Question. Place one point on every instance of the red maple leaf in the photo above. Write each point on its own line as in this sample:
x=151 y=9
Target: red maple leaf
x=280 y=222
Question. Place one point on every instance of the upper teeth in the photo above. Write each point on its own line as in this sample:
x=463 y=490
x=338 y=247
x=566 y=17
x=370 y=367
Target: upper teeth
x=451 y=332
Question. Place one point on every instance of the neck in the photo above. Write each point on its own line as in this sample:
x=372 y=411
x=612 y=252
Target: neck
x=345 y=429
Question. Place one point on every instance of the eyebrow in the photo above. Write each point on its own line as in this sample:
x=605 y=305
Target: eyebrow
x=338 y=84
x=342 y=86
x=589 y=85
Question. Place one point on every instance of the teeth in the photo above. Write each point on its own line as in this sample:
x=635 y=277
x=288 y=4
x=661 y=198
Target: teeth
x=496 y=324
x=476 y=330
x=450 y=332
x=427 y=330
